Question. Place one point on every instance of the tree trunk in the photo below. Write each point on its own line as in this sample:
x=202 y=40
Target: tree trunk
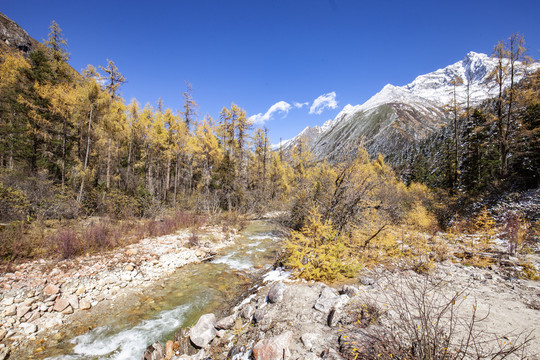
x=79 y=199
x=108 y=174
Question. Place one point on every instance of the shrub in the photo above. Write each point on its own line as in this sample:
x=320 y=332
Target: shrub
x=514 y=231
x=429 y=321
x=316 y=253
x=67 y=243
x=14 y=204
x=97 y=236
x=485 y=225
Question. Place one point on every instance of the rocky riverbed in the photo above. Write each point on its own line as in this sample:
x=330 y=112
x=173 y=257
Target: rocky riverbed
x=40 y=300
x=287 y=319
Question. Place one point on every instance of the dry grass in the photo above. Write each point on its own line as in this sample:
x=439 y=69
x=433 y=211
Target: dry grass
x=424 y=320
x=67 y=239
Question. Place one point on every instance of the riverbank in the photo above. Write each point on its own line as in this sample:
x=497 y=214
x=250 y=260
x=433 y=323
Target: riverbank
x=42 y=300
x=374 y=316
x=487 y=310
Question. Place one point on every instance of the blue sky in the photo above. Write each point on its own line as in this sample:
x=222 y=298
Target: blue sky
x=265 y=54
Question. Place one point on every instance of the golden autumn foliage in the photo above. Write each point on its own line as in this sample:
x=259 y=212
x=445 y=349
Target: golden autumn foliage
x=356 y=214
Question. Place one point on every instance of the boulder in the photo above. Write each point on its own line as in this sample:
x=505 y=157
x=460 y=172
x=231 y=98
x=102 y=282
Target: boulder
x=169 y=352
x=36 y=315
x=60 y=304
x=10 y=310
x=51 y=289
x=226 y=323
x=308 y=339
x=247 y=312
x=349 y=290
x=275 y=294
x=327 y=300
x=274 y=348
x=22 y=310
x=4 y=353
x=73 y=301
x=154 y=352
x=331 y=354
x=28 y=328
x=258 y=316
x=364 y=280
x=204 y=331
x=53 y=321
x=85 y=304
x=80 y=290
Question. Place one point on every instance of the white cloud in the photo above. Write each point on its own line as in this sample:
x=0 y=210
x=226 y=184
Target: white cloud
x=326 y=101
x=300 y=105
x=280 y=106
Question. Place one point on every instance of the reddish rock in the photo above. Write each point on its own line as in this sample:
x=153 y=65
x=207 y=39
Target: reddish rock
x=84 y=305
x=22 y=310
x=169 y=352
x=51 y=290
x=274 y=348
x=61 y=304
x=73 y=301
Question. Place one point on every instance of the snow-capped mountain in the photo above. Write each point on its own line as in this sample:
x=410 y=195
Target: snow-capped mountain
x=401 y=114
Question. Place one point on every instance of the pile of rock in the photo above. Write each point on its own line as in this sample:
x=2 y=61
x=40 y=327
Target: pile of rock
x=38 y=296
x=299 y=320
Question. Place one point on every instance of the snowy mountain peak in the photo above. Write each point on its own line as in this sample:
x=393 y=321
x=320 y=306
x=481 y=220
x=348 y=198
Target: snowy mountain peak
x=420 y=103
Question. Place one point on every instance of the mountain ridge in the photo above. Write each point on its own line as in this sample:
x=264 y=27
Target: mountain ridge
x=401 y=114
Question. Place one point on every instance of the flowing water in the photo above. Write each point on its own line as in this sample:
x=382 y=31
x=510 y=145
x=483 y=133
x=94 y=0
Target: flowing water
x=177 y=302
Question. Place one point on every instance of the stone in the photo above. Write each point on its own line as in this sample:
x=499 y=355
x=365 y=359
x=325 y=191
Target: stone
x=226 y=323
x=326 y=300
x=4 y=353
x=11 y=310
x=36 y=315
x=30 y=301
x=51 y=289
x=2 y=334
x=364 y=280
x=169 y=352
x=275 y=294
x=22 y=310
x=73 y=301
x=154 y=352
x=8 y=301
x=129 y=267
x=331 y=354
x=80 y=290
x=308 y=339
x=349 y=290
x=28 y=328
x=50 y=298
x=52 y=322
x=68 y=310
x=220 y=333
x=60 y=304
x=274 y=348
x=85 y=304
x=204 y=331
x=131 y=252
x=258 y=316
x=247 y=312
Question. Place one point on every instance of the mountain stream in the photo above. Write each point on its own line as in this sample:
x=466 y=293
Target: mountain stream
x=177 y=302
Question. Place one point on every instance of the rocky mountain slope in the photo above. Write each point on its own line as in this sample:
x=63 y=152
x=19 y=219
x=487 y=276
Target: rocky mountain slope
x=399 y=115
x=13 y=37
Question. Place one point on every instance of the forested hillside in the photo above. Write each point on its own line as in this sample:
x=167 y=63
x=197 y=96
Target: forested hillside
x=71 y=146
